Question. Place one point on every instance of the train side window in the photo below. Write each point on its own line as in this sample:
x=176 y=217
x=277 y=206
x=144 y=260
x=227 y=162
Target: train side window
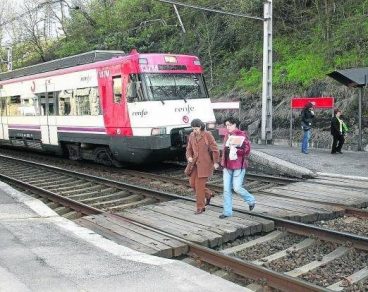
x=117 y=88
x=83 y=101
x=64 y=102
x=14 y=106
x=28 y=107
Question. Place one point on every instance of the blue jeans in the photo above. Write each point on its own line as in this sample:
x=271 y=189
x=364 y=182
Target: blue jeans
x=306 y=137
x=233 y=179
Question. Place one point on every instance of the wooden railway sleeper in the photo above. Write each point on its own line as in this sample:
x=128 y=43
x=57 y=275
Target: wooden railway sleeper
x=46 y=180
x=105 y=197
x=118 y=201
x=79 y=191
x=76 y=185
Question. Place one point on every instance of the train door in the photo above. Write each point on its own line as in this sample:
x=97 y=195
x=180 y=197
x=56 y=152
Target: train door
x=112 y=83
x=48 y=107
x=2 y=115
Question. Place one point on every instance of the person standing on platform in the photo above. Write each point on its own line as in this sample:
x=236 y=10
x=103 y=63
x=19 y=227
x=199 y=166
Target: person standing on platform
x=338 y=131
x=234 y=160
x=307 y=116
x=203 y=156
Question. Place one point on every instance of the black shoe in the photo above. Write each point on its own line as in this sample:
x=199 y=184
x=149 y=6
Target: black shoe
x=222 y=216
x=208 y=200
x=251 y=207
x=333 y=152
x=339 y=152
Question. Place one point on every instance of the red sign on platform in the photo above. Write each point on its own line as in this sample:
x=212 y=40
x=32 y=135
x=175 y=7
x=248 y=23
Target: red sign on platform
x=318 y=102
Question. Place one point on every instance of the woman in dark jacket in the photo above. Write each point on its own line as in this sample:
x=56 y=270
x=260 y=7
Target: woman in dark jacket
x=337 y=132
x=235 y=162
x=203 y=153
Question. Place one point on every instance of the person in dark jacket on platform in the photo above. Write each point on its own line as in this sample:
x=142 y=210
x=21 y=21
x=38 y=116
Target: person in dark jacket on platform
x=202 y=152
x=307 y=116
x=338 y=131
x=234 y=160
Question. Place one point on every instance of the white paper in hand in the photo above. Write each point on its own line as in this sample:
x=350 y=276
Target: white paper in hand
x=236 y=141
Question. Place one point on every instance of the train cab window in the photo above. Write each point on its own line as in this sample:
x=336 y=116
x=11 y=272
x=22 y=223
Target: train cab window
x=117 y=88
x=174 y=86
x=134 y=91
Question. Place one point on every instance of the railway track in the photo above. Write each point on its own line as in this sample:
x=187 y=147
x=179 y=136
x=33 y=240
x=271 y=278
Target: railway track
x=92 y=191
x=266 y=269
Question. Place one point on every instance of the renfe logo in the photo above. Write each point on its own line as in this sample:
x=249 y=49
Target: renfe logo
x=141 y=113
x=185 y=109
x=104 y=73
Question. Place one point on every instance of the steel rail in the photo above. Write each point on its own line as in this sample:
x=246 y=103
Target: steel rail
x=248 y=270
x=74 y=205
x=105 y=181
x=356 y=241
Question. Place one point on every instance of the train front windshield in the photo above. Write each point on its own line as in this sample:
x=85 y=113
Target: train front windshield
x=174 y=86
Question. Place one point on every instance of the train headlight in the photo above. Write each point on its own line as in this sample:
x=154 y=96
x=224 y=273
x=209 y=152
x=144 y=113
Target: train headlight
x=170 y=59
x=210 y=126
x=158 y=131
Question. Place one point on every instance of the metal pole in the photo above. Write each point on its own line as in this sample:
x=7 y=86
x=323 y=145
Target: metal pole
x=291 y=127
x=266 y=125
x=10 y=58
x=178 y=15
x=360 y=118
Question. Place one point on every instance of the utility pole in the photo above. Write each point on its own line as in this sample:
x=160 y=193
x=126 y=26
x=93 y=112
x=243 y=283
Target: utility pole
x=266 y=124
x=10 y=58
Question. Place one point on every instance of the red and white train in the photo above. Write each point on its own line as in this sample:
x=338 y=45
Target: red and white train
x=105 y=106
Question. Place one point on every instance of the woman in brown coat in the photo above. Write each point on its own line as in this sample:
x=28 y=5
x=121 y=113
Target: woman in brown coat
x=202 y=152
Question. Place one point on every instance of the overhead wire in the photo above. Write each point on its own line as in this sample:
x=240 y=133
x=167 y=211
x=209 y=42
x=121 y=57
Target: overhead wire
x=210 y=9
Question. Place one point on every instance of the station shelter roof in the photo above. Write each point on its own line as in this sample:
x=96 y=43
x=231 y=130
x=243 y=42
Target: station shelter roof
x=356 y=77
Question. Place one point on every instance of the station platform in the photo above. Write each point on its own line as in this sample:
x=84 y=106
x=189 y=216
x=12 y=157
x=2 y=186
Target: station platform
x=285 y=160
x=41 y=251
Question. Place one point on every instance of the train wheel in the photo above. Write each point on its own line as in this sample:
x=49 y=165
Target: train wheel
x=102 y=155
x=74 y=152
